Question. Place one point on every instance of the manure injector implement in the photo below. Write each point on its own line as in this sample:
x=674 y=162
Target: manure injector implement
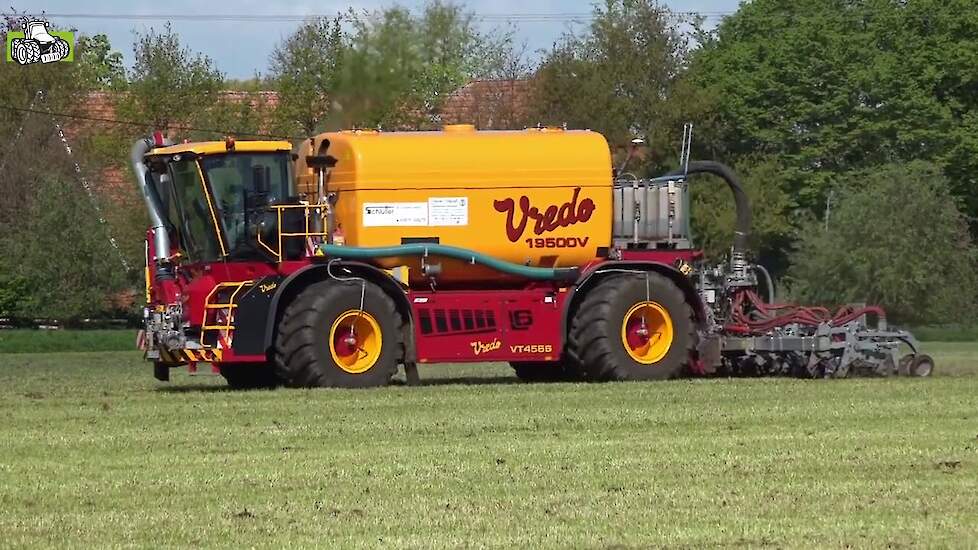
x=365 y=251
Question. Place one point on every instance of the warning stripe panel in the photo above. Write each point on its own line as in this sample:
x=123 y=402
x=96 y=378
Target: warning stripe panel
x=191 y=356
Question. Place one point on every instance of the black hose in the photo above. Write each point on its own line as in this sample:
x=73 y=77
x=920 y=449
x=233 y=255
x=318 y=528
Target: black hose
x=741 y=201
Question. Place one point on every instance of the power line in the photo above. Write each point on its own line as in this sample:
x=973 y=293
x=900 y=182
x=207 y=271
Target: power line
x=270 y=18
x=144 y=124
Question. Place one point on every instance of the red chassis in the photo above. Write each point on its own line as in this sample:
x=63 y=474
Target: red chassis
x=231 y=308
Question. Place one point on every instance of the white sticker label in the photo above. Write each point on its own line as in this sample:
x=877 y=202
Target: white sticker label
x=711 y=296
x=392 y=214
x=448 y=211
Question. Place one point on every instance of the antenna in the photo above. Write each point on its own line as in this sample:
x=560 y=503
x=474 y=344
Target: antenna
x=687 y=148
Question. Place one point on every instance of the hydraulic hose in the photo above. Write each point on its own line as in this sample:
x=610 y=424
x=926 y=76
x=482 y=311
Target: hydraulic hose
x=470 y=256
x=741 y=201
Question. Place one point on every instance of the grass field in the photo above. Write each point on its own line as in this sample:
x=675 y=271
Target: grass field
x=35 y=341
x=39 y=341
x=94 y=452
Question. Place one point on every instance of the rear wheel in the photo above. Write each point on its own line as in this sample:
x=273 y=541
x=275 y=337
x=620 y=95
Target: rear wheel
x=249 y=376
x=326 y=338
x=62 y=48
x=633 y=327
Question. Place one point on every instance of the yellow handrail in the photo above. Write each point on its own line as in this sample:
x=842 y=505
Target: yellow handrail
x=229 y=306
x=307 y=216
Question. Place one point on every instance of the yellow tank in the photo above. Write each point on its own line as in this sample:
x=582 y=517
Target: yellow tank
x=538 y=197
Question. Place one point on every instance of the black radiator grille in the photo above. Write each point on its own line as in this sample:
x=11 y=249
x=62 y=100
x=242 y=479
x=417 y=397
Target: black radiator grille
x=456 y=321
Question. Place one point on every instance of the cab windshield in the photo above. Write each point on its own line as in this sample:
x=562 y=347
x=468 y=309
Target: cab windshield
x=243 y=183
x=211 y=216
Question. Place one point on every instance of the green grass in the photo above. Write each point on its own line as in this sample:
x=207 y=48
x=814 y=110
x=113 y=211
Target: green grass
x=42 y=341
x=947 y=333
x=38 y=341
x=93 y=452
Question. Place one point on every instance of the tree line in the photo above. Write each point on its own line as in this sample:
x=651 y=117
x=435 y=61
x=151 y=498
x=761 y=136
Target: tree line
x=852 y=122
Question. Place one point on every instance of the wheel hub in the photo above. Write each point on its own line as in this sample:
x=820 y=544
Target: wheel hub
x=355 y=341
x=647 y=332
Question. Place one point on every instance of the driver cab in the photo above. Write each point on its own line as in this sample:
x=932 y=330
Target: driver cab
x=216 y=196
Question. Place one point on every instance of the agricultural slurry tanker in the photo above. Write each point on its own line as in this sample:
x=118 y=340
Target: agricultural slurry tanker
x=370 y=250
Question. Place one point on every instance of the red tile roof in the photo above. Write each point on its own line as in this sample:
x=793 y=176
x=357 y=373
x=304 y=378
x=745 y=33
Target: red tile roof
x=489 y=104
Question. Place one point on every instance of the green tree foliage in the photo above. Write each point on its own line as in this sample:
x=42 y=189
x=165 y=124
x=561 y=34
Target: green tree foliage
x=619 y=77
x=713 y=214
x=305 y=69
x=173 y=88
x=98 y=65
x=830 y=86
x=65 y=266
x=387 y=68
x=54 y=256
x=895 y=237
x=21 y=82
x=400 y=68
x=169 y=84
x=253 y=84
x=15 y=295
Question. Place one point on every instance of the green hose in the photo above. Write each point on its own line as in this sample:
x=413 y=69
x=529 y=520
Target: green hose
x=470 y=256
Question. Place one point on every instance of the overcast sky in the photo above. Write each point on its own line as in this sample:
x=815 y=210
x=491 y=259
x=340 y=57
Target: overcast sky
x=241 y=48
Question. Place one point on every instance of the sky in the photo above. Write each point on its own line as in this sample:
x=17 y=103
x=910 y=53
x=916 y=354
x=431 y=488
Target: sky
x=241 y=49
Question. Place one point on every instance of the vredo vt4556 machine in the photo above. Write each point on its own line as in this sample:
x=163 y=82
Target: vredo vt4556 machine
x=371 y=250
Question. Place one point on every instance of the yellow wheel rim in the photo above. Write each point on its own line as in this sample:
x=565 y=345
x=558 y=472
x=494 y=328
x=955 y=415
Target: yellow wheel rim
x=647 y=332
x=355 y=341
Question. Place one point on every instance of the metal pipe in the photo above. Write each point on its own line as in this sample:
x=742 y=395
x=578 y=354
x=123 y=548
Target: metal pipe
x=161 y=239
x=317 y=222
x=330 y=220
x=741 y=203
x=637 y=214
x=768 y=281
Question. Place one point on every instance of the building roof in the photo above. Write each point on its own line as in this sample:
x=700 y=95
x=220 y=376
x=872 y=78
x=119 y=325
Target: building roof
x=487 y=104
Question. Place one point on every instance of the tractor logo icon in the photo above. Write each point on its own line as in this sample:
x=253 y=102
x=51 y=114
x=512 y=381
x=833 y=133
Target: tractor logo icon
x=38 y=45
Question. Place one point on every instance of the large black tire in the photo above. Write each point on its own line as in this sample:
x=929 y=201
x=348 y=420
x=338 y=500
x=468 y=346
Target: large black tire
x=596 y=340
x=61 y=46
x=249 y=376
x=18 y=51
x=32 y=49
x=529 y=371
x=304 y=350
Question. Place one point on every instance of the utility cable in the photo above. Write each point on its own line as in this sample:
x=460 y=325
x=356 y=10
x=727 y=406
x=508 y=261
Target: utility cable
x=273 y=18
x=137 y=124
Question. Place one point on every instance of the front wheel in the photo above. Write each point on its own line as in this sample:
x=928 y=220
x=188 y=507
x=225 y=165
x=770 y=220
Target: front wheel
x=18 y=52
x=339 y=334
x=633 y=327
x=28 y=52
